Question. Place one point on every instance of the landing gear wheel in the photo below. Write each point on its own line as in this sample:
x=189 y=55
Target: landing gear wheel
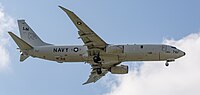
x=99 y=71
x=167 y=64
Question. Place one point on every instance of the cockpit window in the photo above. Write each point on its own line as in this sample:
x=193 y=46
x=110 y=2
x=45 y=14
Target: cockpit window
x=173 y=47
x=175 y=51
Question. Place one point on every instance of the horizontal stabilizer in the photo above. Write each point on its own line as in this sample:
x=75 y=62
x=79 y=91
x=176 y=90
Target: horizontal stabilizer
x=21 y=43
x=23 y=57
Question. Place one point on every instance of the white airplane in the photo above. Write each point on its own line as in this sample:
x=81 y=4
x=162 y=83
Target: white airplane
x=102 y=57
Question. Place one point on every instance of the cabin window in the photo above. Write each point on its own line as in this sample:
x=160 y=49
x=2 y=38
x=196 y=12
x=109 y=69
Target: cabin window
x=141 y=46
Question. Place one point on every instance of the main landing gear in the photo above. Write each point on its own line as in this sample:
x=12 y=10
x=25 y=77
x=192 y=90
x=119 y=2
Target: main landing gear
x=99 y=71
x=97 y=59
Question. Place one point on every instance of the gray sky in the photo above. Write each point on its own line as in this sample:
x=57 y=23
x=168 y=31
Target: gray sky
x=117 y=22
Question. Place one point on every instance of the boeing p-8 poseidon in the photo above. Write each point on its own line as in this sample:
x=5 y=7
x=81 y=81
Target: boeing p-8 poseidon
x=102 y=57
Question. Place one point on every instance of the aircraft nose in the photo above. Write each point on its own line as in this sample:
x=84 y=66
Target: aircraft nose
x=183 y=53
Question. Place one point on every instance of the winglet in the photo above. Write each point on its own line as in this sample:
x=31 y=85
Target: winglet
x=88 y=81
x=85 y=83
x=66 y=10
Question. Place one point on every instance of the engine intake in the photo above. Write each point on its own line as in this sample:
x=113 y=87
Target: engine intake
x=122 y=69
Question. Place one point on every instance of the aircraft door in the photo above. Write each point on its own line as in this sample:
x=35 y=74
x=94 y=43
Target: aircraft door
x=165 y=53
x=164 y=48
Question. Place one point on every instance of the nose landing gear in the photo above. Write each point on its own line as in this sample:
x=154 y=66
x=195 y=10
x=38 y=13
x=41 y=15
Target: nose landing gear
x=167 y=64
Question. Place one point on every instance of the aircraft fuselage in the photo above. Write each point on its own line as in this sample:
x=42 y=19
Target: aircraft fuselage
x=119 y=53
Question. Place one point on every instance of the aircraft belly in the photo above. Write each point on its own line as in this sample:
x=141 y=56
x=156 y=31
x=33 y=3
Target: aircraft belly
x=142 y=57
x=60 y=57
x=74 y=59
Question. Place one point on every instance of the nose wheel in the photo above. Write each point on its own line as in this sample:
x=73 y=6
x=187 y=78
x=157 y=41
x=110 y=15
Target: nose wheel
x=167 y=64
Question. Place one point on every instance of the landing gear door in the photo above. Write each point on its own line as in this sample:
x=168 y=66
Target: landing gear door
x=164 y=48
x=163 y=55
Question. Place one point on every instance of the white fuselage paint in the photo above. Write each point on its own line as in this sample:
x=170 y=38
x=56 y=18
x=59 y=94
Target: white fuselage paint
x=117 y=53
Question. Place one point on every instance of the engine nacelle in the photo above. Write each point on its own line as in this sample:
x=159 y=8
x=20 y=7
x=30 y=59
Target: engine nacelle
x=123 y=69
x=115 y=49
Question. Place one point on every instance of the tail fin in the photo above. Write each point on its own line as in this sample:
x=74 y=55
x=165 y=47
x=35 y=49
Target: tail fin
x=28 y=35
x=22 y=45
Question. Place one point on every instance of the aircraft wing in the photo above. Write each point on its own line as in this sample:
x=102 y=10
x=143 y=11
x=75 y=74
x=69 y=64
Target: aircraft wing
x=88 y=36
x=95 y=77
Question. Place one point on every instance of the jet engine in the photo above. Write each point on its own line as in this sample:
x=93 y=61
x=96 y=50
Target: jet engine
x=122 y=69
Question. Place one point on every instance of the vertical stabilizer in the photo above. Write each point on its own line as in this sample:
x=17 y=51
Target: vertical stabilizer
x=28 y=35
